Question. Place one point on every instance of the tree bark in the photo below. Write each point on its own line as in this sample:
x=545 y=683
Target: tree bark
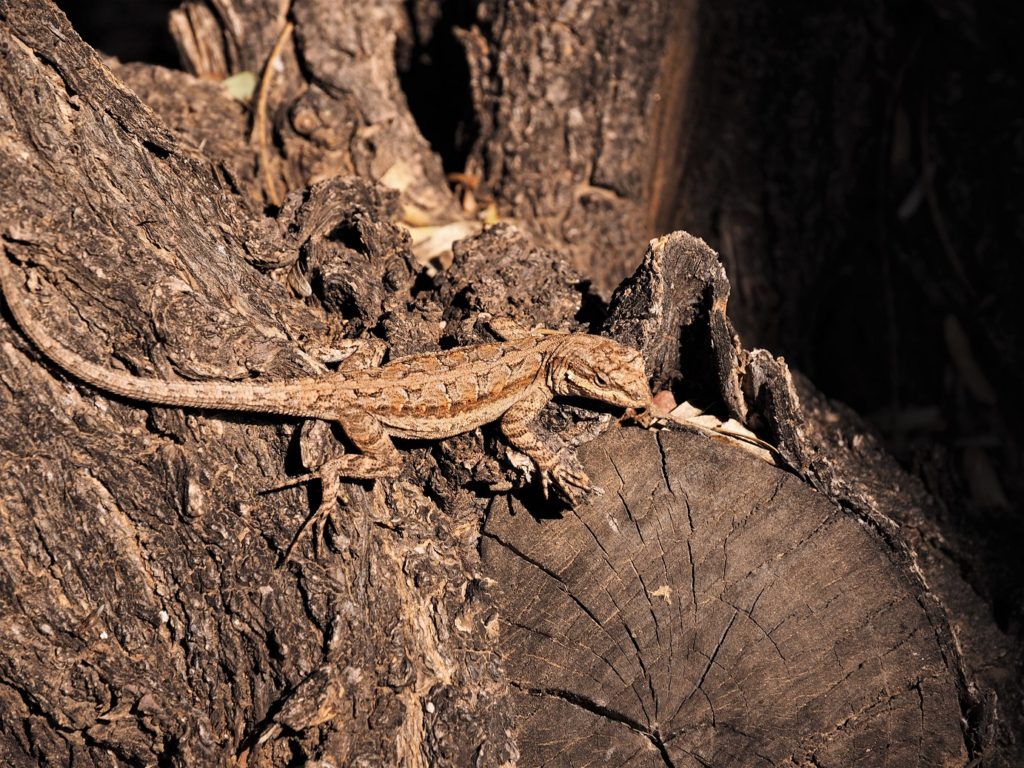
x=589 y=91
x=708 y=608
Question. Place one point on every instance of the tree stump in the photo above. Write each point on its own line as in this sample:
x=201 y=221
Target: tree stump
x=710 y=609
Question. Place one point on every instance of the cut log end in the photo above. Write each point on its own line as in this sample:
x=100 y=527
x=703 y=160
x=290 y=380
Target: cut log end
x=710 y=609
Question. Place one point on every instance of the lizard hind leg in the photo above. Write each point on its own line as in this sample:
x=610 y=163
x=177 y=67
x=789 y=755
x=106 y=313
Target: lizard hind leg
x=377 y=455
x=377 y=458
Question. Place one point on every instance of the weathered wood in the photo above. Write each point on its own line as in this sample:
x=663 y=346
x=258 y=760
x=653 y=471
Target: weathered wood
x=143 y=618
x=710 y=609
x=568 y=105
x=682 y=326
x=331 y=102
x=673 y=309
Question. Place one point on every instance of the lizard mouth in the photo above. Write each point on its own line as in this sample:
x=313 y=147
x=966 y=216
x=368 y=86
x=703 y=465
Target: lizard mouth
x=643 y=416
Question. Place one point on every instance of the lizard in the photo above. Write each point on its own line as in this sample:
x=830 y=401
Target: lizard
x=428 y=396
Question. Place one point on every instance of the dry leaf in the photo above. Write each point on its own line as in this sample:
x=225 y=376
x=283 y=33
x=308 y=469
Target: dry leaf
x=432 y=243
x=241 y=87
x=731 y=431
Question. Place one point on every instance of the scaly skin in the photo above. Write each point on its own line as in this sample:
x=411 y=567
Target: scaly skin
x=429 y=396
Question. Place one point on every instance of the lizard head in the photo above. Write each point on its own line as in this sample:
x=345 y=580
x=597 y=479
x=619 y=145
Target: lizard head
x=599 y=369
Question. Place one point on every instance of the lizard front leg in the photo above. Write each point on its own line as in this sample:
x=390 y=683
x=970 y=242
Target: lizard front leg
x=571 y=481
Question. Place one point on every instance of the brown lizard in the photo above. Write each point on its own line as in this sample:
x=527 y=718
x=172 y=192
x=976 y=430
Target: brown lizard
x=427 y=396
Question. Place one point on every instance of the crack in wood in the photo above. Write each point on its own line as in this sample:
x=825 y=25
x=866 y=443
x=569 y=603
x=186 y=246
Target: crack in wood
x=588 y=705
x=565 y=590
x=704 y=674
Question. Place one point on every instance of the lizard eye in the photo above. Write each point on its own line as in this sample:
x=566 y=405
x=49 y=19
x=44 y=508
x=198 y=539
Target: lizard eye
x=601 y=380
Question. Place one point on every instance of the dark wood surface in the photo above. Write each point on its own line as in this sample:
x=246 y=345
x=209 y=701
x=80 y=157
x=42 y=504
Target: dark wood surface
x=708 y=609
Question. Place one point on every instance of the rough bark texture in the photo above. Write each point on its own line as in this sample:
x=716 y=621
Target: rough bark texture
x=329 y=102
x=707 y=609
x=673 y=308
x=155 y=624
x=573 y=87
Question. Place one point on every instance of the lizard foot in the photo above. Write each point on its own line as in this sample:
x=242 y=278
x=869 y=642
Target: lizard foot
x=647 y=418
x=569 y=481
x=291 y=482
x=330 y=496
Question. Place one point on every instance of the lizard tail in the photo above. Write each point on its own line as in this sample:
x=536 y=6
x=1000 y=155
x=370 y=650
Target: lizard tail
x=282 y=399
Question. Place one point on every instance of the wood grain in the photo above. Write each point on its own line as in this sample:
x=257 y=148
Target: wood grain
x=710 y=609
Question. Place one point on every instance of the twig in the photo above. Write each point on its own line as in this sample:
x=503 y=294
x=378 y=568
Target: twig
x=260 y=133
